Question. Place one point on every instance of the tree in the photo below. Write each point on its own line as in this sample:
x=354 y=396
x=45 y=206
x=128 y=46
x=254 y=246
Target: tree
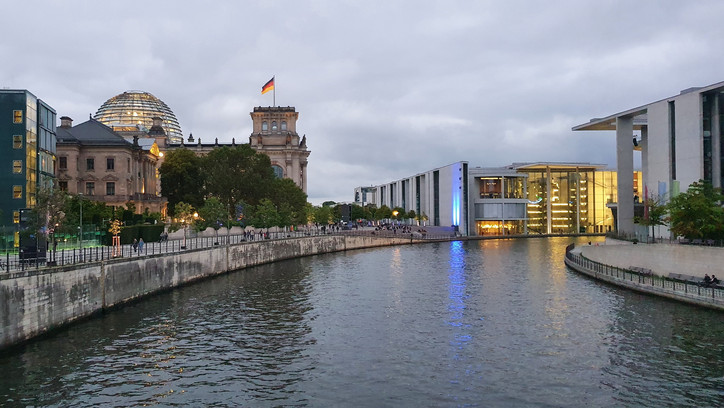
x=213 y=214
x=323 y=215
x=265 y=214
x=383 y=213
x=181 y=179
x=235 y=174
x=654 y=214
x=697 y=213
x=290 y=201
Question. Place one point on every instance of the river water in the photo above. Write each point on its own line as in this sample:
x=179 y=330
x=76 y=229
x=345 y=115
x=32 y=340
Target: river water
x=495 y=323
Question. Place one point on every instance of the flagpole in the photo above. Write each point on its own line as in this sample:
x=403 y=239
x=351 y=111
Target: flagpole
x=275 y=91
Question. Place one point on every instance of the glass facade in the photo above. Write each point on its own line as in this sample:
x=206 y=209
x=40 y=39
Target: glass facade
x=127 y=111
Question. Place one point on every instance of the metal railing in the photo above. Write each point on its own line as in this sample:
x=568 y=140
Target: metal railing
x=682 y=288
x=63 y=257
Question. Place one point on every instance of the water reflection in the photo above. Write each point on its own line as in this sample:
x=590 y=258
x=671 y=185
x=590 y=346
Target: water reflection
x=487 y=323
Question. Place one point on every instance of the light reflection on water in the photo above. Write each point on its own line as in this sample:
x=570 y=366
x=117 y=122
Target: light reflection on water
x=480 y=323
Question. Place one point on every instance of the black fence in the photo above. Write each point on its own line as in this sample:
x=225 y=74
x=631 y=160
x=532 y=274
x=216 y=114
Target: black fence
x=643 y=277
x=62 y=257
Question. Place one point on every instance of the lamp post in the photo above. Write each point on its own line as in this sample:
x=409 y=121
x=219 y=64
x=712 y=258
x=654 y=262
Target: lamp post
x=80 y=227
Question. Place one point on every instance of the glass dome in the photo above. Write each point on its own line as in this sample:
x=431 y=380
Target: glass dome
x=134 y=108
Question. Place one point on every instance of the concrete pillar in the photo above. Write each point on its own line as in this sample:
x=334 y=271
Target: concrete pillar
x=549 y=201
x=715 y=145
x=644 y=143
x=624 y=165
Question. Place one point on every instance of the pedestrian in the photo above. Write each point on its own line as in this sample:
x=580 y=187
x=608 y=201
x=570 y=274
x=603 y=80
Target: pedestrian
x=135 y=245
x=140 y=245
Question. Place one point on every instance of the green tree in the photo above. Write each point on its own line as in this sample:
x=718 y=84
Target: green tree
x=358 y=212
x=265 y=214
x=212 y=214
x=236 y=174
x=654 y=214
x=323 y=215
x=290 y=201
x=181 y=179
x=697 y=213
x=383 y=213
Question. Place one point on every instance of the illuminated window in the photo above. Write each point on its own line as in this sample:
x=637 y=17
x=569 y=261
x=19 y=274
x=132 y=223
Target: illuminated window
x=17 y=141
x=62 y=162
x=110 y=163
x=17 y=166
x=90 y=164
x=16 y=217
x=90 y=188
x=110 y=188
x=17 y=116
x=17 y=192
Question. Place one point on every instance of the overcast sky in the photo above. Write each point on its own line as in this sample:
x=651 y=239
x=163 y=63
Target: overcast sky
x=384 y=89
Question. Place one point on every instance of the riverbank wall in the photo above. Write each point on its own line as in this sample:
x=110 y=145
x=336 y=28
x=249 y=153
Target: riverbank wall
x=622 y=265
x=34 y=302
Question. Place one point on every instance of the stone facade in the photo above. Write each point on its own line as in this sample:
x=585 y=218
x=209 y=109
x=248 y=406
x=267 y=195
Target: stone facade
x=96 y=162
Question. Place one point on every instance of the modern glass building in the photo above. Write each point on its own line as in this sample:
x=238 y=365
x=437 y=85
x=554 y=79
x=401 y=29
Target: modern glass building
x=133 y=111
x=522 y=198
x=27 y=125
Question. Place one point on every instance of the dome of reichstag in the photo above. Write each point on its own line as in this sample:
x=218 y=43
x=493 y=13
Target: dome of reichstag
x=137 y=109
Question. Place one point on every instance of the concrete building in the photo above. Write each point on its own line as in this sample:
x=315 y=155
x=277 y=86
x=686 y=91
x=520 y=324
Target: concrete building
x=100 y=164
x=28 y=128
x=522 y=198
x=681 y=140
x=440 y=194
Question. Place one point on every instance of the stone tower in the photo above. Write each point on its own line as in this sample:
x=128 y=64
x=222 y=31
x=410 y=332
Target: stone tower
x=275 y=134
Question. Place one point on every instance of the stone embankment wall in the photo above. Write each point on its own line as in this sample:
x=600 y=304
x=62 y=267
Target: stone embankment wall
x=34 y=302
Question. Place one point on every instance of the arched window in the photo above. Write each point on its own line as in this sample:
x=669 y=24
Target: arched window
x=284 y=125
x=264 y=125
x=278 y=171
x=274 y=125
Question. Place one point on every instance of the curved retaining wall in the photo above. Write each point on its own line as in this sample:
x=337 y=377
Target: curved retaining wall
x=34 y=302
x=650 y=284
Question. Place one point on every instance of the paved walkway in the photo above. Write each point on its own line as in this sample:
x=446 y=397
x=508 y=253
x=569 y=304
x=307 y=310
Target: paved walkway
x=661 y=259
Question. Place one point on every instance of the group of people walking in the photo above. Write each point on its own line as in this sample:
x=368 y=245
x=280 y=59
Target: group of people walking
x=137 y=245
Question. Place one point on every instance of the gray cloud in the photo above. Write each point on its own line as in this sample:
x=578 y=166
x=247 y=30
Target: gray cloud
x=384 y=89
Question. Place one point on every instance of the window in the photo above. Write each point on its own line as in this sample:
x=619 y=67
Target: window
x=62 y=162
x=284 y=125
x=17 y=116
x=111 y=188
x=274 y=125
x=63 y=185
x=110 y=163
x=264 y=125
x=90 y=188
x=278 y=171
x=17 y=141
x=90 y=164
x=17 y=166
x=17 y=192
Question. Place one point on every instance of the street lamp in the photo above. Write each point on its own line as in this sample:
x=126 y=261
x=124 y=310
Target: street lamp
x=80 y=227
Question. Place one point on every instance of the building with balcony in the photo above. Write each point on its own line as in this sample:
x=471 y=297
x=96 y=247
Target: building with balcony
x=102 y=165
x=27 y=124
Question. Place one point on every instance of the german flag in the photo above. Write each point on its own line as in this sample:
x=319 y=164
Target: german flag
x=269 y=86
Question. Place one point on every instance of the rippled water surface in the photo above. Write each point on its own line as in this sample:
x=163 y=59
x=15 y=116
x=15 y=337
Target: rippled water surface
x=481 y=323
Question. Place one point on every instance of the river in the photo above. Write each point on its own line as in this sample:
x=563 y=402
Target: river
x=494 y=323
